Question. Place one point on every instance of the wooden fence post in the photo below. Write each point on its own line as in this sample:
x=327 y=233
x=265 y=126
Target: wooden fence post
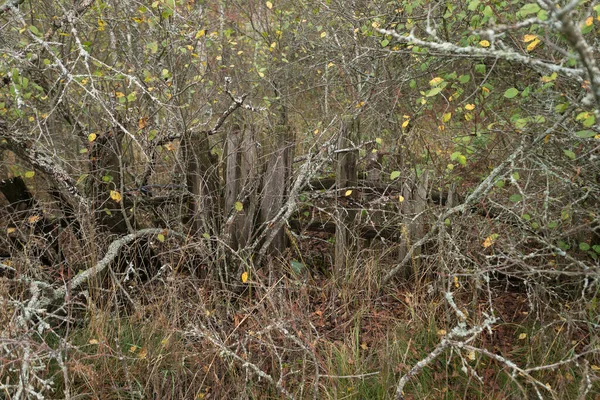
x=240 y=185
x=346 y=176
x=277 y=180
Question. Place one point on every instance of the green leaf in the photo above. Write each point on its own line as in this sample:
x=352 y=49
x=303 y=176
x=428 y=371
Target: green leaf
x=473 y=5
x=515 y=198
x=160 y=237
x=510 y=93
x=480 y=68
x=584 y=246
x=384 y=43
x=596 y=248
x=238 y=206
x=530 y=8
x=521 y=123
x=394 y=175
x=433 y=91
x=34 y=30
x=153 y=46
x=29 y=174
x=458 y=156
x=131 y=97
x=585 y=134
x=589 y=121
x=206 y=235
x=569 y=154
x=297 y=266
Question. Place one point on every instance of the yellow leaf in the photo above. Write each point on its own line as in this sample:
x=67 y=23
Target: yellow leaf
x=533 y=44
x=441 y=332
x=11 y=230
x=483 y=88
x=569 y=377
x=470 y=107
x=471 y=355
x=31 y=119
x=101 y=25
x=364 y=346
x=245 y=277
x=348 y=193
x=143 y=353
x=160 y=237
x=200 y=33
x=119 y=94
x=441 y=128
x=529 y=38
x=435 y=81
x=323 y=34
x=406 y=116
x=33 y=219
x=133 y=349
x=92 y=137
x=446 y=117
x=484 y=43
x=142 y=122
x=93 y=341
x=405 y=123
x=238 y=206
x=522 y=336
x=116 y=196
x=378 y=140
x=456 y=283
x=269 y=5
x=595 y=368
x=550 y=78
x=589 y=21
x=169 y=146
x=400 y=198
x=489 y=241
x=29 y=174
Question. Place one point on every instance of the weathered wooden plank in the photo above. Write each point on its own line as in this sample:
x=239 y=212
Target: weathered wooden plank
x=346 y=176
x=277 y=180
